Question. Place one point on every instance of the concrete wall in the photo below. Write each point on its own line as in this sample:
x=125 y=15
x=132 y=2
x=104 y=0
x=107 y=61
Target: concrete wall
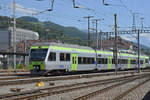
x=4 y=39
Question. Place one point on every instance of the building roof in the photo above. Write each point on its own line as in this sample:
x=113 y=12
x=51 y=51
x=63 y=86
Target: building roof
x=24 y=30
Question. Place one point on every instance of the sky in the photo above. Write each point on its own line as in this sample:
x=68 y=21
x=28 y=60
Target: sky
x=65 y=14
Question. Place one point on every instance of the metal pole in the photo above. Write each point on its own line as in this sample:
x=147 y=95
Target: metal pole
x=116 y=46
x=100 y=39
x=133 y=26
x=97 y=33
x=139 y=51
x=142 y=21
x=89 y=32
x=107 y=41
x=89 y=37
x=24 y=58
x=14 y=32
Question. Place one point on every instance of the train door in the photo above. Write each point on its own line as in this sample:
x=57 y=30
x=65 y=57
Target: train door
x=129 y=62
x=109 y=62
x=74 y=61
x=144 y=63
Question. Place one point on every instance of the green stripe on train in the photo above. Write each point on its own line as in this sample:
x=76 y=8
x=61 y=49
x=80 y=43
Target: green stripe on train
x=41 y=63
x=109 y=62
x=39 y=47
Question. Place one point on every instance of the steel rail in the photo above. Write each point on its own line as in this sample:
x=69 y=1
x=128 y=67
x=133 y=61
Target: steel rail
x=119 y=97
x=90 y=95
x=67 y=88
x=45 y=79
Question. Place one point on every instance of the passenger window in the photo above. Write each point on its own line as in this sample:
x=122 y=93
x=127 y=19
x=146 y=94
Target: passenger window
x=79 y=60
x=72 y=60
x=141 y=61
x=84 y=60
x=75 y=62
x=88 y=60
x=92 y=61
x=52 y=56
x=64 y=57
x=67 y=57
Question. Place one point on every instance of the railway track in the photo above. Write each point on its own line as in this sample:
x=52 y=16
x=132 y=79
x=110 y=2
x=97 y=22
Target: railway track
x=125 y=93
x=34 y=94
x=66 y=88
x=15 y=78
x=27 y=75
x=2 y=71
x=14 y=74
x=28 y=80
x=91 y=95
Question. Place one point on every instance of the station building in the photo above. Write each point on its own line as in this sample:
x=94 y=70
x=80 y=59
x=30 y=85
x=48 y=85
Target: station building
x=6 y=37
x=6 y=44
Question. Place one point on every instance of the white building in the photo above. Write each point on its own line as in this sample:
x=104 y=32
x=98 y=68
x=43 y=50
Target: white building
x=6 y=36
x=23 y=34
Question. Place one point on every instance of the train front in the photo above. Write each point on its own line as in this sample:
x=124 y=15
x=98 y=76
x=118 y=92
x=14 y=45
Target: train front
x=37 y=59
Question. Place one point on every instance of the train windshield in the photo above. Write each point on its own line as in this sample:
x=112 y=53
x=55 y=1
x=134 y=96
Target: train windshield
x=38 y=54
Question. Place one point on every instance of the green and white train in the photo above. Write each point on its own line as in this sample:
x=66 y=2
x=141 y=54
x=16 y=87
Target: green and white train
x=57 y=57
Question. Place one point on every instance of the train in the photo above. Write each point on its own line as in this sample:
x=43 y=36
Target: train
x=50 y=58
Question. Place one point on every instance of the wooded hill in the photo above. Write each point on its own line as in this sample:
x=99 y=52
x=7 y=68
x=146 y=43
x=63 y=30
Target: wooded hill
x=47 y=30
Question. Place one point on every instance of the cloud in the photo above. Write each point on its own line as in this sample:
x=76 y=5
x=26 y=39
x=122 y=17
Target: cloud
x=24 y=10
x=144 y=35
x=129 y=38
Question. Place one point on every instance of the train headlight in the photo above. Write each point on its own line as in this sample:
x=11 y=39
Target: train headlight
x=34 y=67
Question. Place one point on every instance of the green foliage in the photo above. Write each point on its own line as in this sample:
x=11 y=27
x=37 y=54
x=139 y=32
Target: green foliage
x=29 y=19
x=5 y=22
x=47 y=30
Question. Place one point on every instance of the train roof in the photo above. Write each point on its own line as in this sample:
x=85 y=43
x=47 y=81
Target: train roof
x=71 y=47
x=60 y=44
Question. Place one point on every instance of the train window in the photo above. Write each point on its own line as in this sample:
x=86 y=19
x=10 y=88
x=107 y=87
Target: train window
x=52 y=56
x=99 y=61
x=92 y=60
x=146 y=61
x=113 y=61
x=79 y=60
x=88 y=60
x=104 y=61
x=64 y=57
x=119 y=61
x=67 y=57
x=141 y=61
x=125 y=61
x=133 y=61
x=84 y=60
x=72 y=60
